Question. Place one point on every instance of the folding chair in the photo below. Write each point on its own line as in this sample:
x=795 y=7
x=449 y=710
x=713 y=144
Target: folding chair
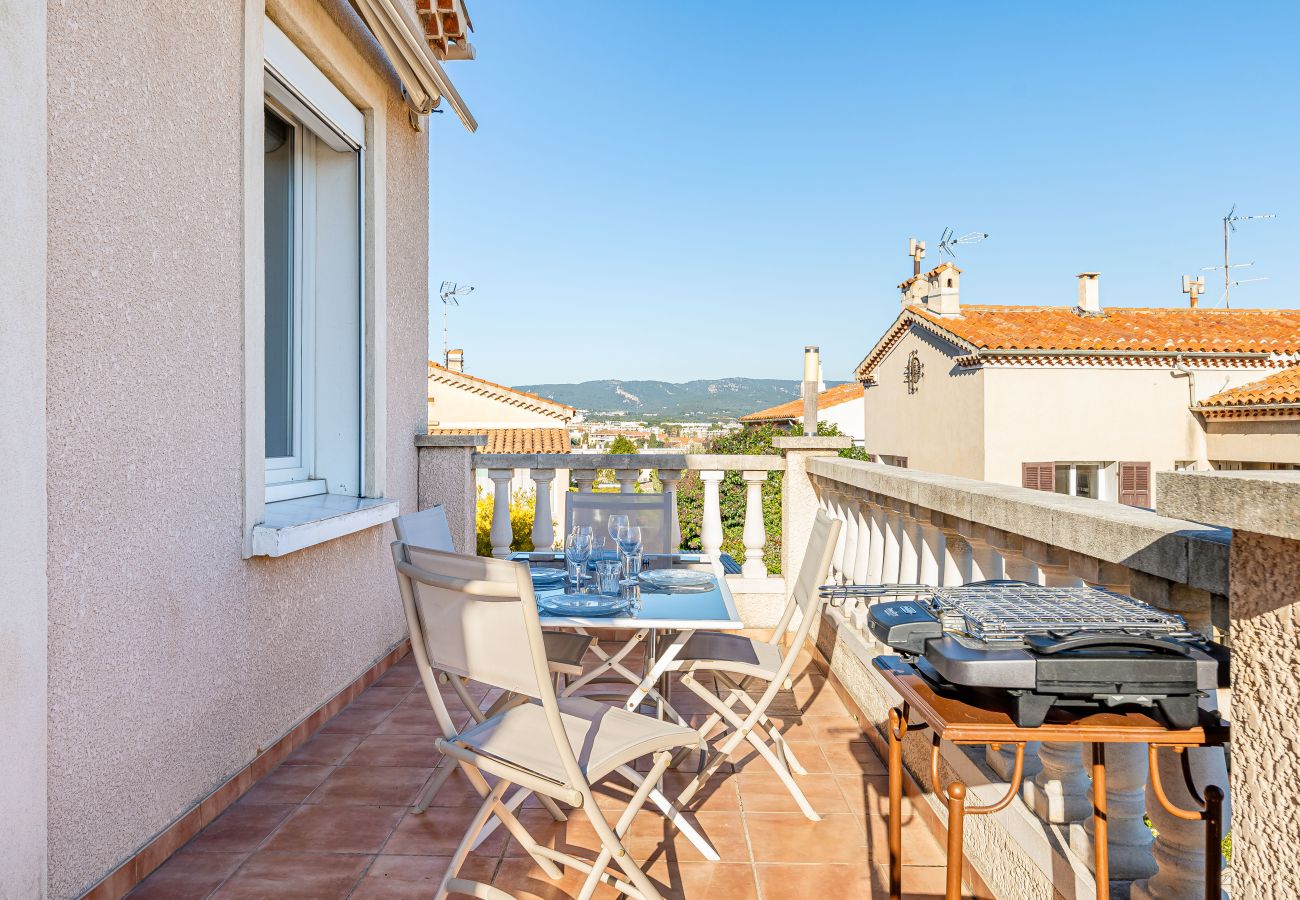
x=653 y=512
x=737 y=661
x=565 y=650
x=476 y=618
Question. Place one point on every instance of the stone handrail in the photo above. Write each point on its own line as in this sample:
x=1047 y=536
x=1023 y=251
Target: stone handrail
x=542 y=468
x=908 y=527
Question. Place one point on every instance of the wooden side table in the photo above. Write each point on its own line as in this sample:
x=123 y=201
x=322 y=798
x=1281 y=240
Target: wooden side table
x=951 y=718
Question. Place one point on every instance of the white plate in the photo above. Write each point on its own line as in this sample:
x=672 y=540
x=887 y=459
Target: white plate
x=676 y=578
x=546 y=576
x=581 y=605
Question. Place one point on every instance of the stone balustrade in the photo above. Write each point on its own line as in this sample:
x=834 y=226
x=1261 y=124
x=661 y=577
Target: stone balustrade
x=906 y=527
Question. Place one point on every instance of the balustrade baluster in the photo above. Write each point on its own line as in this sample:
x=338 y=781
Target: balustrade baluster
x=862 y=558
x=502 y=533
x=1128 y=837
x=1059 y=792
x=893 y=524
x=543 y=518
x=711 y=526
x=931 y=554
x=584 y=477
x=848 y=538
x=908 y=558
x=669 y=478
x=755 y=533
x=627 y=479
x=1180 y=846
x=876 y=557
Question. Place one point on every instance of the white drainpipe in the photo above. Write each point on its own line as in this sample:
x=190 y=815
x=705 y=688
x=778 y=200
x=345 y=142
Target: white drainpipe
x=1202 y=453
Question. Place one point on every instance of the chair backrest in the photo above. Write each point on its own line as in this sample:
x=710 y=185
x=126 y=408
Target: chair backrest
x=805 y=596
x=474 y=617
x=427 y=528
x=653 y=512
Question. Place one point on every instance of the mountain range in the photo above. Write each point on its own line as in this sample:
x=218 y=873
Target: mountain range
x=718 y=398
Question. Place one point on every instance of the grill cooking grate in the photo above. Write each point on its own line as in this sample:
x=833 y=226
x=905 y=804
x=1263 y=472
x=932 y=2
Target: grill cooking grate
x=998 y=613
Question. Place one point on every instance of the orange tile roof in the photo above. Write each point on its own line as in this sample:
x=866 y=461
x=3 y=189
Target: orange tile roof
x=841 y=393
x=1117 y=329
x=1280 y=387
x=445 y=374
x=517 y=440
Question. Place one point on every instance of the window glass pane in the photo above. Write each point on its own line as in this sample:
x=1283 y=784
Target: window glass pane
x=1085 y=481
x=280 y=326
x=1062 y=479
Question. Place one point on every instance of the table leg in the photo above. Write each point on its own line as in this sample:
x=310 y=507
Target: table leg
x=1213 y=841
x=897 y=728
x=1101 y=841
x=956 y=820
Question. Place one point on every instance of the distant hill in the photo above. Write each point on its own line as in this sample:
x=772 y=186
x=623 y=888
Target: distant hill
x=717 y=398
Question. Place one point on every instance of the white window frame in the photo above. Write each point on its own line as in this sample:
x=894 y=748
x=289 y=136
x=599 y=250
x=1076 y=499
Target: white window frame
x=1104 y=477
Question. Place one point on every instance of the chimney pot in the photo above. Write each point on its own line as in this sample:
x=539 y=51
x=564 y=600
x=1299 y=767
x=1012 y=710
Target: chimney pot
x=1089 y=292
x=455 y=360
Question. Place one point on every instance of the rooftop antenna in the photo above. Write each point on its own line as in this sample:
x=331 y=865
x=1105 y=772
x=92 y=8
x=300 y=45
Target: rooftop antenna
x=949 y=241
x=916 y=250
x=1230 y=225
x=449 y=291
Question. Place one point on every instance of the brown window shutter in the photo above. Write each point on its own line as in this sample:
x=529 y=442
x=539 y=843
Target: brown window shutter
x=1038 y=476
x=1135 y=483
x=900 y=461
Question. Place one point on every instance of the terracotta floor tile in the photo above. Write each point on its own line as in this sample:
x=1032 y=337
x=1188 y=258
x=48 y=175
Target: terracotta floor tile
x=409 y=720
x=287 y=784
x=399 y=676
x=719 y=793
x=187 y=875
x=324 y=750
x=371 y=786
x=790 y=838
x=919 y=882
x=866 y=793
x=853 y=757
x=387 y=697
x=294 y=876
x=704 y=880
x=524 y=880
x=335 y=829
x=920 y=846
x=438 y=832
x=836 y=729
x=456 y=791
x=814 y=761
x=241 y=828
x=395 y=750
x=824 y=702
x=415 y=877
x=839 y=880
x=652 y=836
x=762 y=791
x=356 y=720
x=576 y=836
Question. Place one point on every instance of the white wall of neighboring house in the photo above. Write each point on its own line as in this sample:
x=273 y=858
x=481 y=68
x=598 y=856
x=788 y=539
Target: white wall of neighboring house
x=848 y=416
x=1263 y=441
x=940 y=427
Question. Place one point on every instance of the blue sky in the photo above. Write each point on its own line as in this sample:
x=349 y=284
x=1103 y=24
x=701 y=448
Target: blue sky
x=696 y=190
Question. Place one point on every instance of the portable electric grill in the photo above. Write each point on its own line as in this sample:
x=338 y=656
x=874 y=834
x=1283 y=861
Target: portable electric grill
x=1044 y=647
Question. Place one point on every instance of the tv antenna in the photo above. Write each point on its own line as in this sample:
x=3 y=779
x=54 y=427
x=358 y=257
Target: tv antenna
x=1229 y=226
x=449 y=291
x=949 y=241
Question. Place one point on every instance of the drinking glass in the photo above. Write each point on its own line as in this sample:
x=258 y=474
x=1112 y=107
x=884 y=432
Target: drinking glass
x=609 y=577
x=577 y=550
x=629 y=544
x=617 y=521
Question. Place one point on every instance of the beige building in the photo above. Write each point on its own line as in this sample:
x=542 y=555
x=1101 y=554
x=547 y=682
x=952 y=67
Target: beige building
x=841 y=405
x=1078 y=399
x=1255 y=426
x=513 y=421
x=216 y=246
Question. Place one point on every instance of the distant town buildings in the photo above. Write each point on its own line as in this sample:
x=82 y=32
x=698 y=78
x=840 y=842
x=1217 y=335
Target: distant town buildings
x=1080 y=399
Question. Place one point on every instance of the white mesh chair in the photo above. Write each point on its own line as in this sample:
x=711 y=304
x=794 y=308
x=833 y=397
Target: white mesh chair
x=740 y=663
x=476 y=618
x=565 y=650
x=653 y=512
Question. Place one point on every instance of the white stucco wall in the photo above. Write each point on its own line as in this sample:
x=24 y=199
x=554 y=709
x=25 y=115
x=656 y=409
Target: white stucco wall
x=23 y=613
x=452 y=407
x=849 y=417
x=173 y=661
x=1273 y=440
x=940 y=428
x=1092 y=414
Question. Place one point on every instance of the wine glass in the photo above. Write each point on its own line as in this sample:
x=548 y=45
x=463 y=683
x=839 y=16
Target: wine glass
x=629 y=544
x=577 y=550
x=616 y=522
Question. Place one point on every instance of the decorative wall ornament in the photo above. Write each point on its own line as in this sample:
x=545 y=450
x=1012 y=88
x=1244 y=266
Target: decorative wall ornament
x=912 y=374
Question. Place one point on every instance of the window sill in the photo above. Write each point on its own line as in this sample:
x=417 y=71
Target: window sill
x=304 y=522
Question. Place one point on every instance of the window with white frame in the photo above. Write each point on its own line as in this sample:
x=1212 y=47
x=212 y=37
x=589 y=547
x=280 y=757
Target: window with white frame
x=313 y=280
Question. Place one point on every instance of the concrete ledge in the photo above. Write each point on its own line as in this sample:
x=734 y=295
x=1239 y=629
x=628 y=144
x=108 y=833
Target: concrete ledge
x=451 y=440
x=1262 y=502
x=812 y=442
x=1174 y=549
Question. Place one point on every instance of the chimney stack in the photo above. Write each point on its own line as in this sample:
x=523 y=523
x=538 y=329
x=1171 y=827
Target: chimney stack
x=1089 y=292
x=943 y=292
x=456 y=360
x=812 y=369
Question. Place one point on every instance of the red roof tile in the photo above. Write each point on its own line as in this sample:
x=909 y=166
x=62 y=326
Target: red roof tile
x=517 y=440
x=1280 y=387
x=841 y=393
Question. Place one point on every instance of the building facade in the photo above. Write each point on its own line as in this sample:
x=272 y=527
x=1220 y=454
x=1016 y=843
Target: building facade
x=219 y=250
x=841 y=406
x=1077 y=399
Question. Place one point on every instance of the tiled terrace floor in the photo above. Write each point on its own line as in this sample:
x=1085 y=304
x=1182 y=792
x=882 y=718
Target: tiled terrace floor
x=332 y=820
